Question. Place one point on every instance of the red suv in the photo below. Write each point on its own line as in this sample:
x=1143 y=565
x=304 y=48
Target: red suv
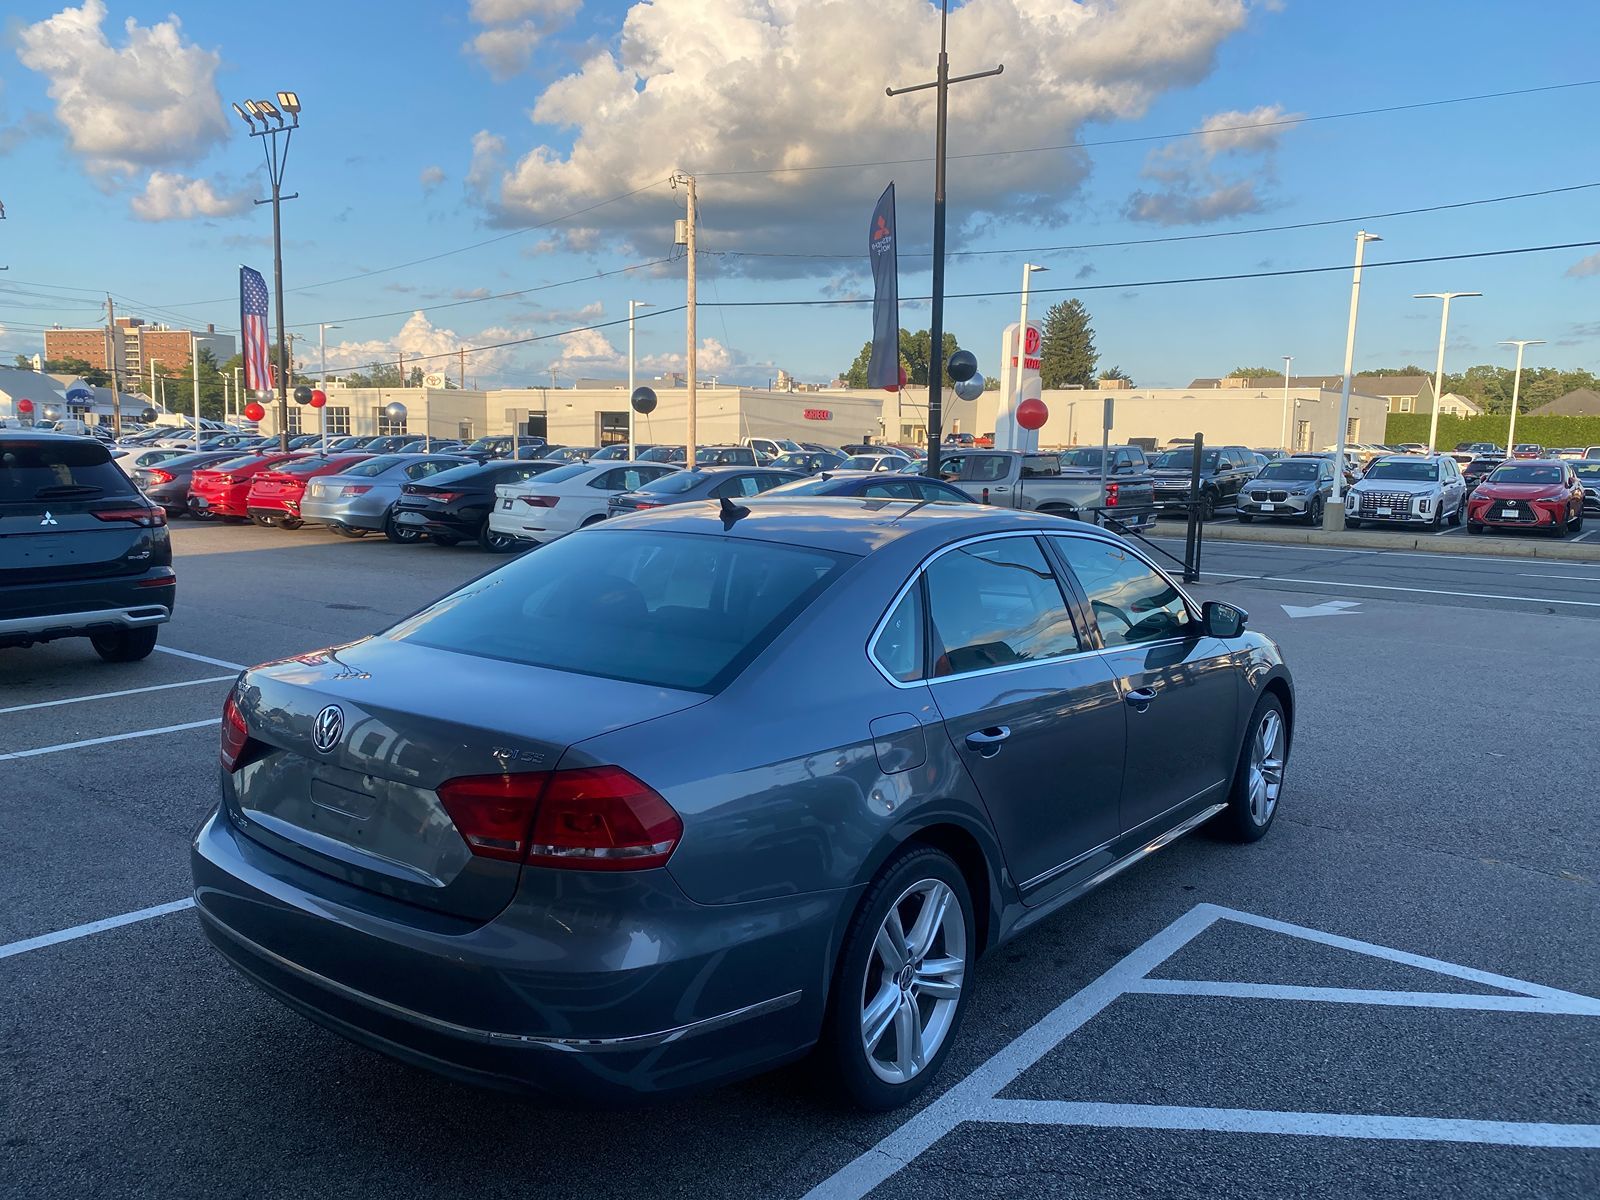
x=221 y=490
x=1528 y=493
x=275 y=494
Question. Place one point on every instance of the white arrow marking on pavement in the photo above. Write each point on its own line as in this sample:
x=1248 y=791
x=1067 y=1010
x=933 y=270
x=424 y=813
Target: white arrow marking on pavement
x=1329 y=608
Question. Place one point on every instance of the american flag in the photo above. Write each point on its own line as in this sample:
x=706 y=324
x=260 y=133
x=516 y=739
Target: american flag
x=253 y=327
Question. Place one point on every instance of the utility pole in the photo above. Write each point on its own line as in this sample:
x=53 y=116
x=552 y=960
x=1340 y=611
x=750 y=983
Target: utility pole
x=111 y=365
x=1516 y=389
x=463 y=352
x=688 y=242
x=936 y=364
x=1438 y=371
x=402 y=368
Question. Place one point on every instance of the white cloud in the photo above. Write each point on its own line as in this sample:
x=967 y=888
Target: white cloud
x=587 y=352
x=717 y=85
x=431 y=178
x=1585 y=266
x=150 y=102
x=1217 y=174
x=172 y=197
x=430 y=347
x=514 y=28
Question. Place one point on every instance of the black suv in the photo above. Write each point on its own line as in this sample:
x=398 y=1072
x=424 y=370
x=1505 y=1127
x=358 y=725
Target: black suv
x=82 y=553
x=1224 y=470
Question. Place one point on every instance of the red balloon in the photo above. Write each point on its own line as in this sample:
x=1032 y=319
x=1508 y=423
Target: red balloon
x=1032 y=413
x=24 y=405
x=901 y=384
x=254 y=411
x=318 y=398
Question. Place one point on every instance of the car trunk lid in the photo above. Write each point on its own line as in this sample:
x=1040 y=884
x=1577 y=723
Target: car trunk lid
x=366 y=810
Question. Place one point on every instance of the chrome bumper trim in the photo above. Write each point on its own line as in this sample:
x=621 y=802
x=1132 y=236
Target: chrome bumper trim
x=133 y=617
x=638 y=1041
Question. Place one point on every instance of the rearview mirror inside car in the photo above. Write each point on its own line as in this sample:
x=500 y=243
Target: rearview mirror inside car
x=1223 y=620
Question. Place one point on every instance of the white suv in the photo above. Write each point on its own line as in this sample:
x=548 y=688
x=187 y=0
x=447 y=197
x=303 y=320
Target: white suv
x=1411 y=489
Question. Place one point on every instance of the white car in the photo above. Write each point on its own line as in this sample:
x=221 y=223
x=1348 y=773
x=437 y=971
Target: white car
x=553 y=504
x=1411 y=489
x=875 y=462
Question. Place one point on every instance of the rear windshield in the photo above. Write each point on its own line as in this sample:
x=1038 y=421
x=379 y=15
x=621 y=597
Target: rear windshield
x=236 y=464
x=184 y=462
x=1421 y=471
x=1587 y=470
x=1183 y=460
x=377 y=466
x=1290 y=470
x=562 y=474
x=669 y=610
x=304 y=466
x=1514 y=474
x=675 y=484
x=64 y=468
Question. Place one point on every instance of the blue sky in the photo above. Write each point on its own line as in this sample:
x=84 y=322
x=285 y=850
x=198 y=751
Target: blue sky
x=469 y=119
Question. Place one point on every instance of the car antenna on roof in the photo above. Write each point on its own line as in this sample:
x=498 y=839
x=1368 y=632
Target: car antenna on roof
x=731 y=513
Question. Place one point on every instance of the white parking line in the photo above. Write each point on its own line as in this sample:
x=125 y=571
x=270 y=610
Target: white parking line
x=1389 y=587
x=115 y=737
x=977 y=1097
x=155 y=687
x=1580 y=578
x=189 y=654
x=1481 y=559
x=78 y=931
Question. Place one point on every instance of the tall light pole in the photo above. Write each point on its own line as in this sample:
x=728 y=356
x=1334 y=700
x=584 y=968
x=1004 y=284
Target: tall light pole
x=277 y=157
x=1438 y=371
x=152 y=381
x=322 y=349
x=1333 y=515
x=1287 y=359
x=633 y=442
x=194 y=364
x=1516 y=387
x=941 y=83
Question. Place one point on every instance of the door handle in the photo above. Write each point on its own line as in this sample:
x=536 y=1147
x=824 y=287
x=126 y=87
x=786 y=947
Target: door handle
x=1140 y=698
x=987 y=742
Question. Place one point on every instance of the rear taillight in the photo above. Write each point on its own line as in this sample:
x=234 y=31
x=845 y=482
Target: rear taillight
x=235 y=734
x=145 y=517
x=158 y=477
x=443 y=497
x=1111 y=495
x=355 y=489
x=538 y=501
x=593 y=818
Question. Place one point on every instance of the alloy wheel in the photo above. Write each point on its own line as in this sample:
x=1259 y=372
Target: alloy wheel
x=912 y=987
x=1266 y=767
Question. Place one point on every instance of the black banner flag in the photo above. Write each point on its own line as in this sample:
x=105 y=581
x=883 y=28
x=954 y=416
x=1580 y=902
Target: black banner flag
x=883 y=369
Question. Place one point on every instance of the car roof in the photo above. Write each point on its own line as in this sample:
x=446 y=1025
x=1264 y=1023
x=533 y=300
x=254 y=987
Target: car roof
x=844 y=524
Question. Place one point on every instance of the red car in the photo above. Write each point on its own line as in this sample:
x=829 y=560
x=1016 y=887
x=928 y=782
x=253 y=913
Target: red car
x=1541 y=494
x=274 y=495
x=222 y=490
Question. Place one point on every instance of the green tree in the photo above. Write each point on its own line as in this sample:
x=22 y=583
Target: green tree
x=1253 y=372
x=915 y=353
x=93 y=376
x=1117 y=373
x=1067 y=355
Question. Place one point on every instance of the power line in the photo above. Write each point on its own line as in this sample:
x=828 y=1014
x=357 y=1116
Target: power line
x=1160 y=137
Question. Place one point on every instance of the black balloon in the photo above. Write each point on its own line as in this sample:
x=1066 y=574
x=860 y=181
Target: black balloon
x=644 y=400
x=963 y=365
x=148 y=416
x=302 y=394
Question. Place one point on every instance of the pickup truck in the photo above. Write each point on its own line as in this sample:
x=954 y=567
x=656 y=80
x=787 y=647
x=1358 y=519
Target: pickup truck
x=1036 y=480
x=1224 y=470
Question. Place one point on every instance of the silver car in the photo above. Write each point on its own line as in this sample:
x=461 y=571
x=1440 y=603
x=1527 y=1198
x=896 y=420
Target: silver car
x=1288 y=489
x=358 y=501
x=1409 y=489
x=684 y=795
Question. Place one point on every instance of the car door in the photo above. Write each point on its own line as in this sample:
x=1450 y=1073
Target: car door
x=1030 y=709
x=1180 y=689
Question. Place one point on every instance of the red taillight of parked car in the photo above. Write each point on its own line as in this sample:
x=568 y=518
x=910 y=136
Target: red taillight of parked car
x=355 y=489
x=592 y=818
x=443 y=497
x=235 y=734
x=1111 y=495
x=145 y=517
x=538 y=501
x=158 y=477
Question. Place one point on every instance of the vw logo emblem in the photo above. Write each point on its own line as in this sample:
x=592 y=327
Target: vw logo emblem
x=328 y=729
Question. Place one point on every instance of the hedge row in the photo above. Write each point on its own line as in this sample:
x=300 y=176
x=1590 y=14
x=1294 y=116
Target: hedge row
x=1546 y=431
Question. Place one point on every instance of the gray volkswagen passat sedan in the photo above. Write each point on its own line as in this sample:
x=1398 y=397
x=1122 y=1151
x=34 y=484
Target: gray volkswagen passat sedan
x=685 y=794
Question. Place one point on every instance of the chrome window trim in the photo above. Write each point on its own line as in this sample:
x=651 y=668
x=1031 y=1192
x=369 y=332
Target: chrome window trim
x=1089 y=534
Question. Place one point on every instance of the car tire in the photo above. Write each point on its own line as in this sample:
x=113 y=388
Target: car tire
x=1253 y=798
x=1314 y=512
x=1245 y=518
x=867 y=987
x=403 y=537
x=1208 y=505
x=1438 y=516
x=346 y=531
x=1352 y=523
x=124 y=645
x=264 y=522
x=289 y=522
x=1576 y=525
x=1474 y=529
x=1459 y=515
x=496 y=543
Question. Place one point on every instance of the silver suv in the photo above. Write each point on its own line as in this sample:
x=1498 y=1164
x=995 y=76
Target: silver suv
x=1410 y=489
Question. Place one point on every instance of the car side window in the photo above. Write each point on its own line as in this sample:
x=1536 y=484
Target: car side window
x=765 y=483
x=608 y=481
x=421 y=470
x=889 y=489
x=739 y=485
x=996 y=603
x=1130 y=600
x=898 y=649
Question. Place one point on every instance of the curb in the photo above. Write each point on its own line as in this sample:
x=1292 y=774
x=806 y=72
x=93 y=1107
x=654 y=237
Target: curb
x=1486 y=546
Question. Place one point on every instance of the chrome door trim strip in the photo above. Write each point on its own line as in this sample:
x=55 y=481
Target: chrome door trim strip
x=1150 y=847
x=638 y=1041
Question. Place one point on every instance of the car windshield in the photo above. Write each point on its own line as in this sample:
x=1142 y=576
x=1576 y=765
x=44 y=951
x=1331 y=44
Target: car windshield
x=663 y=454
x=860 y=462
x=1587 y=470
x=667 y=610
x=377 y=466
x=33 y=470
x=817 y=486
x=304 y=466
x=1527 y=474
x=562 y=474
x=1303 y=470
x=675 y=484
x=1420 y=471
x=236 y=464
x=487 y=445
x=1183 y=460
x=1529 y=446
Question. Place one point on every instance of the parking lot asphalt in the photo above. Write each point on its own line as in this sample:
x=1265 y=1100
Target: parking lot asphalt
x=1392 y=994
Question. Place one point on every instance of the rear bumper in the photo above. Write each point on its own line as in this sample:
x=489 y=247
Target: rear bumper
x=433 y=522
x=600 y=989
x=42 y=612
x=356 y=512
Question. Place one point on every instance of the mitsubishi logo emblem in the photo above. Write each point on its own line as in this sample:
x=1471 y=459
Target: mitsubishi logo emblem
x=328 y=728
x=49 y=520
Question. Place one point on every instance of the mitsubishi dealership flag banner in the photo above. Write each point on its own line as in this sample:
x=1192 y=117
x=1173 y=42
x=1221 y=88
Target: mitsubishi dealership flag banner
x=883 y=368
x=253 y=327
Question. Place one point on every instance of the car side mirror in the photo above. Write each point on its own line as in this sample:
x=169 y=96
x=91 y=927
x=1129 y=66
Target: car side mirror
x=1221 y=620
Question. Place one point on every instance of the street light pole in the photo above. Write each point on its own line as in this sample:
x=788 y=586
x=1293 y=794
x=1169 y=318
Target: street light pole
x=1333 y=515
x=1438 y=371
x=633 y=442
x=1022 y=346
x=1287 y=359
x=941 y=82
x=322 y=349
x=194 y=361
x=277 y=158
x=1516 y=388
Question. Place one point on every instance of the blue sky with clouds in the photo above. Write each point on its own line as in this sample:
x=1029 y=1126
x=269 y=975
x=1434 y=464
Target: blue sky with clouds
x=432 y=127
